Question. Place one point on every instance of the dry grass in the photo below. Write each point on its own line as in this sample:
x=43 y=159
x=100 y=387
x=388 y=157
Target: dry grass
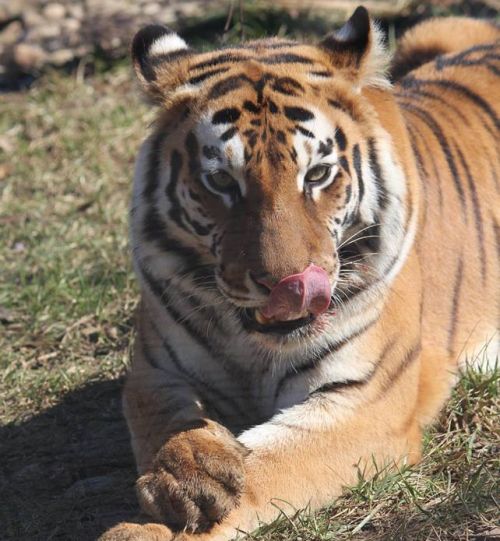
x=66 y=298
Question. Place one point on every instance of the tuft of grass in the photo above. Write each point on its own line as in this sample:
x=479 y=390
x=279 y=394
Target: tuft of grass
x=66 y=300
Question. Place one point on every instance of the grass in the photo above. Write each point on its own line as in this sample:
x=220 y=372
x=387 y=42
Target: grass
x=66 y=299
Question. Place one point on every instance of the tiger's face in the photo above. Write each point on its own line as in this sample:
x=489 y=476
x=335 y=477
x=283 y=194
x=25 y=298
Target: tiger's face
x=258 y=168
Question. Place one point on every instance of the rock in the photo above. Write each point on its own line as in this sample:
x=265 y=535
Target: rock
x=76 y=11
x=151 y=9
x=61 y=57
x=54 y=11
x=29 y=57
x=47 y=30
x=32 y=18
x=11 y=33
x=72 y=24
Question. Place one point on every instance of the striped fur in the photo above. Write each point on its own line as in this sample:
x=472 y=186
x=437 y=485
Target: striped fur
x=405 y=221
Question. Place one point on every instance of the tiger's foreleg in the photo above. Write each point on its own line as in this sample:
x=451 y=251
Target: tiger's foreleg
x=191 y=468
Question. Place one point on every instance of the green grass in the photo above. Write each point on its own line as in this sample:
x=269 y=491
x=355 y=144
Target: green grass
x=67 y=296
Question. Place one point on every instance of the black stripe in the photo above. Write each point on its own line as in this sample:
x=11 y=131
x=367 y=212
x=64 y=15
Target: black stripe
x=409 y=357
x=252 y=107
x=377 y=174
x=298 y=114
x=460 y=89
x=445 y=147
x=336 y=386
x=436 y=179
x=457 y=287
x=155 y=230
x=201 y=385
x=326 y=352
x=220 y=59
x=221 y=88
x=159 y=291
x=346 y=108
x=421 y=169
x=356 y=160
x=176 y=211
x=193 y=151
x=344 y=164
x=202 y=77
x=152 y=175
x=496 y=233
x=171 y=189
x=419 y=93
x=212 y=152
x=259 y=44
x=226 y=116
x=287 y=86
x=478 y=219
x=149 y=63
x=305 y=132
x=157 y=59
x=286 y=58
x=148 y=357
x=228 y=134
x=323 y=73
x=209 y=315
x=340 y=139
x=461 y=59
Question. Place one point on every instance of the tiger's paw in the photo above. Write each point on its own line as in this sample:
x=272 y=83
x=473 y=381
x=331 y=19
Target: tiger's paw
x=196 y=479
x=138 y=532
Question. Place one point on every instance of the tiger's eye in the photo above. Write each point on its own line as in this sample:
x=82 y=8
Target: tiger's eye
x=318 y=174
x=220 y=180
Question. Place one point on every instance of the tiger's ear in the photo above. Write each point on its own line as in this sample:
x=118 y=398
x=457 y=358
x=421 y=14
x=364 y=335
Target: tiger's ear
x=160 y=60
x=358 y=50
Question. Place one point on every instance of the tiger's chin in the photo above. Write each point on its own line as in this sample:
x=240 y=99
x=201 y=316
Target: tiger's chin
x=295 y=328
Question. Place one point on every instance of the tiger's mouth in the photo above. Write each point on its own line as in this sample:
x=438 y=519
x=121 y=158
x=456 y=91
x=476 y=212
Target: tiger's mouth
x=254 y=320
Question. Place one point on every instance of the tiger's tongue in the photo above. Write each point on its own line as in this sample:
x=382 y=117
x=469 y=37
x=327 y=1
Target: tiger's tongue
x=308 y=291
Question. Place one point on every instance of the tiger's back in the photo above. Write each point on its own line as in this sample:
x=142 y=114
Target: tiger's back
x=447 y=87
x=451 y=106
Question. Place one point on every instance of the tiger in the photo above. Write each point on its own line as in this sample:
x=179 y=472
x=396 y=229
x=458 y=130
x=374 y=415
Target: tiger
x=315 y=231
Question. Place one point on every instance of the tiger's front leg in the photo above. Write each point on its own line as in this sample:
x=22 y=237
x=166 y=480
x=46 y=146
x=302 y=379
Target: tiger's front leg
x=192 y=468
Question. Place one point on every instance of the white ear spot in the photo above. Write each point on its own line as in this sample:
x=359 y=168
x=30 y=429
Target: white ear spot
x=167 y=44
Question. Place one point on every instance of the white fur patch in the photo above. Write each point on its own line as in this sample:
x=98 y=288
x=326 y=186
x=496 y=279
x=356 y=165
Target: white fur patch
x=322 y=129
x=167 y=44
x=231 y=153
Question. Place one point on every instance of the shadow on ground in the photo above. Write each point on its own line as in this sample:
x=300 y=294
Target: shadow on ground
x=67 y=473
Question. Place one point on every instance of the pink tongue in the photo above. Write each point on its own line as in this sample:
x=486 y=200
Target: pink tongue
x=310 y=290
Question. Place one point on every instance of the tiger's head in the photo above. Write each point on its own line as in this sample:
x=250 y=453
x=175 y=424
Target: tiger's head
x=268 y=165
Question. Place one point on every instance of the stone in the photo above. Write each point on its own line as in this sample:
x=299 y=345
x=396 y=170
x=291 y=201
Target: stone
x=54 y=11
x=32 y=18
x=151 y=9
x=11 y=33
x=28 y=56
x=61 y=57
x=47 y=30
x=71 y=24
x=76 y=11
